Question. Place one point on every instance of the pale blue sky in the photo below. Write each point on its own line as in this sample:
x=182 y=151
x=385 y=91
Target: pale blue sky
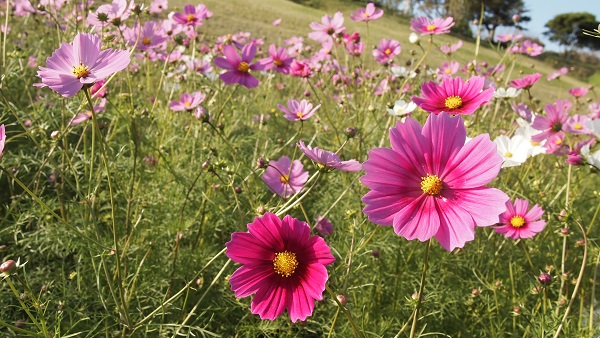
x=542 y=11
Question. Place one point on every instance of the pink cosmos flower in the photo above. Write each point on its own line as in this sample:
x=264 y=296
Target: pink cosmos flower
x=97 y=90
x=578 y=92
x=531 y=48
x=525 y=82
x=276 y=22
x=454 y=96
x=300 y=68
x=282 y=264
x=355 y=48
x=508 y=37
x=87 y=115
x=367 y=14
x=298 y=111
x=157 y=6
x=187 y=101
x=192 y=15
x=432 y=183
x=238 y=68
x=449 y=49
x=523 y=111
x=114 y=13
x=278 y=59
x=551 y=127
x=284 y=177
x=323 y=226
x=328 y=160
x=152 y=35
x=558 y=73
x=2 y=139
x=517 y=222
x=577 y=124
x=448 y=69
x=328 y=28
x=80 y=63
x=386 y=51
x=424 y=26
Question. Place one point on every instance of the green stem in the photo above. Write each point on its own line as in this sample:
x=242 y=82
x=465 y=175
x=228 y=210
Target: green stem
x=413 y=329
x=357 y=333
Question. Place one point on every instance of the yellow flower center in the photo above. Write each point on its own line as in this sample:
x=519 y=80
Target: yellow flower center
x=431 y=185
x=146 y=41
x=535 y=144
x=278 y=62
x=431 y=28
x=388 y=51
x=81 y=71
x=187 y=103
x=191 y=17
x=517 y=221
x=285 y=263
x=578 y=126
x=453 y=102
x=448 y=71
x=558 y=141
x=285 y=179
x=529 y=49
x=244 y=67
x=508 y=154
x=300 y=114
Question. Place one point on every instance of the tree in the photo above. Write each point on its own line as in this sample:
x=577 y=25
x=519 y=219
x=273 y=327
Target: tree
x=567 y=30
x=499 y=13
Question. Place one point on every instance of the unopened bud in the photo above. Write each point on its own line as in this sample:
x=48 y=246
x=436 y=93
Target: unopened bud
x=8 y=267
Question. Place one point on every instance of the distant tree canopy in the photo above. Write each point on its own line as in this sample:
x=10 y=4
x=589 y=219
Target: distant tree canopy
x=567 y=30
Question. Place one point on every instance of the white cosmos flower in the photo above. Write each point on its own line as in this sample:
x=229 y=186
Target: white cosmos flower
x=527 y=132
x=414 y=38
x=402 y=72
x=514 y=151
x=502 y=93
x=594 y=126
x=402 y=108
x=592 y=159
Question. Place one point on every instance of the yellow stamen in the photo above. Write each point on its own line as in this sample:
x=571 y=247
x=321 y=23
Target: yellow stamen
x=431 y=28
x=578 y=126
x=529 y=50
x=453 y=102
x=388 y=51
x=285 y=179
x=81 y=71
x=285 y=263
x=244 y=67
x=517 y=221
x=300 y=114
x=278 y=62
x=508 y=154
x=187 y=104
x=146 y=41
x=535 y=144
x=431 y=185
x=191 y=17
x=448 y=71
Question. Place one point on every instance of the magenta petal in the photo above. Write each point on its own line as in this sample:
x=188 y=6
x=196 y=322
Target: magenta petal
x=448 y=134
x=248 y=280
x=418 y=220
x=232 y=55
x=266 y=230
x=381 y=207
x=484 y=204
x=301 y=306
x=456 y=228
x=477 y=163
x=244 y=248
x=270 y=301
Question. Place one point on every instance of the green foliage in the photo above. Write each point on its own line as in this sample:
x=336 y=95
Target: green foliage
x=567 y=30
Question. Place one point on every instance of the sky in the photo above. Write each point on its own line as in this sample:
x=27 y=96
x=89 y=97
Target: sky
x=542 y=11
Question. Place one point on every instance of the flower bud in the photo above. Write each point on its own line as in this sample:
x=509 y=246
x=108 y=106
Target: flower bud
x=261 y=163
x=350 y=132
x=8 y=267
x=342 y=299
x=545 y=278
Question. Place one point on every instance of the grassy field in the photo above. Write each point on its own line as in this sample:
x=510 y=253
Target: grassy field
x=120 y=223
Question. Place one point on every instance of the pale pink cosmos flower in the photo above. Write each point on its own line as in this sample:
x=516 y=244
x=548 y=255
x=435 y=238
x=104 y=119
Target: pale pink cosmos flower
x=525 y=82
x=454 y=96
x=328 y=27
x=151 y=36
x=187 y=101
x=278 y=59
x=578 y=92
x=192 y=15
x=199 y=65
x=80 y=63
x=238 y=68
x=385 y=52
x=369 y=13
x=157 y=6
x=432 y=183
x=282 y=265
x=448 y=69
x=577 y=124
x=519 y=222
x=2 y=139
x=298 y=111
x=328 y=160
x=551 y=126
x=531 y=48
x=276 y=22
x=424 y=26
x=115 y=13
x=558 y=73
x=508 y=37
x=87 y=115
x=594 y=108
x=449 y=49
x=284 y=177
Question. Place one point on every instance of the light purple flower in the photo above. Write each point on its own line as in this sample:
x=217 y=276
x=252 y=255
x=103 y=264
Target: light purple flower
x=114 y=13
x=298 y=111
x=82 y=117
x=328 y=27
x=323 y=226
x=157 y=6
x=81 y=62
x=187 y=101
x=386 y=51
x=577 y=124
x=369 y=13
x=238 y=68
x=328 y=160
x=558 y=73
x=278 y=59
x=284 y=177
x=150 y=36
x=449 y=49
x=192 y=15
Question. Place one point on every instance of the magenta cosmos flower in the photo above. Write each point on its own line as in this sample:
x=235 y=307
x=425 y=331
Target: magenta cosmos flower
x=284 y=177
x=278 y=59
x=80 y=63
x=298 y=111
x=282 y=264
x=578 y=92
x=525 y=82
x=454 y=96
x=369 y=13
x=551 y=126
x=328 y=27
x=328 y=160
x=386 y=51
x=238 y=68
x=187 y=101
x=424 y=26
x=2 y=139
x=192 y=15
x=516 y=222
x=433 y=184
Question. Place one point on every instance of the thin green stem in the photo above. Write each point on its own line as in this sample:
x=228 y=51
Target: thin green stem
x=413 y=329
